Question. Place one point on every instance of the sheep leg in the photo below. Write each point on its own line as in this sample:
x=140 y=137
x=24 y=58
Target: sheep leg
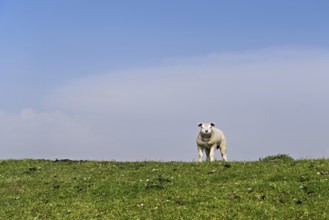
x=212 y=153
x=200 y=149
x=222 y=149
x=208 y=154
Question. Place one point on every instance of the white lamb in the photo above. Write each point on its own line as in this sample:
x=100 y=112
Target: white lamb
x=210 y=139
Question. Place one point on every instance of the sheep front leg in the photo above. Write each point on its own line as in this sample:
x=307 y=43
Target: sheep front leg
x=200 y=149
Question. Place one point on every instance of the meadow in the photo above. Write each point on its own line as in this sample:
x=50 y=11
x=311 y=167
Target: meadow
x=275 y=187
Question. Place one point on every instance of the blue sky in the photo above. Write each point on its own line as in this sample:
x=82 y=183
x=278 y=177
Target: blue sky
x=130 y=80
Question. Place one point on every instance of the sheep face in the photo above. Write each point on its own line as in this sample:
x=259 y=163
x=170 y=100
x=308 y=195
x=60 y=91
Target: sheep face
x=206 y=128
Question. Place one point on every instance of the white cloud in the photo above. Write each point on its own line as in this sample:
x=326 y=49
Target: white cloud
x=267 y=102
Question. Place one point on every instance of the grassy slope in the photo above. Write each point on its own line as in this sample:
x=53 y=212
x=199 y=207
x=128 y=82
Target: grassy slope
x=40 y=189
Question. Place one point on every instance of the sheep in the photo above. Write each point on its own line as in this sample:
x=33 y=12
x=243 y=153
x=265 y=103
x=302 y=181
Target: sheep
x=209 y=139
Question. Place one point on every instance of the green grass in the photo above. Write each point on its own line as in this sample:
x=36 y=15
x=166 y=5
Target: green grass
x=276 y=187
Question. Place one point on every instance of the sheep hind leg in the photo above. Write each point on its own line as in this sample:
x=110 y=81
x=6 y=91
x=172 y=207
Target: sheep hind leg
x=222 y=149
x=212 y=154
x=208 y=154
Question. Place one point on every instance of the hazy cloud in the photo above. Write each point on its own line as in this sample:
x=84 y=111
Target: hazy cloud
x=267 y=102
x=46 y=135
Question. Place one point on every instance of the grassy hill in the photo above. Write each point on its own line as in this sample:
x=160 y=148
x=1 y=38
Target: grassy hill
x=276 y=187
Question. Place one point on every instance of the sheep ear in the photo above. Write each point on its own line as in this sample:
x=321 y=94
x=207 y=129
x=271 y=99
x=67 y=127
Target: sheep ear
x=212 y=124
x=200 y=124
